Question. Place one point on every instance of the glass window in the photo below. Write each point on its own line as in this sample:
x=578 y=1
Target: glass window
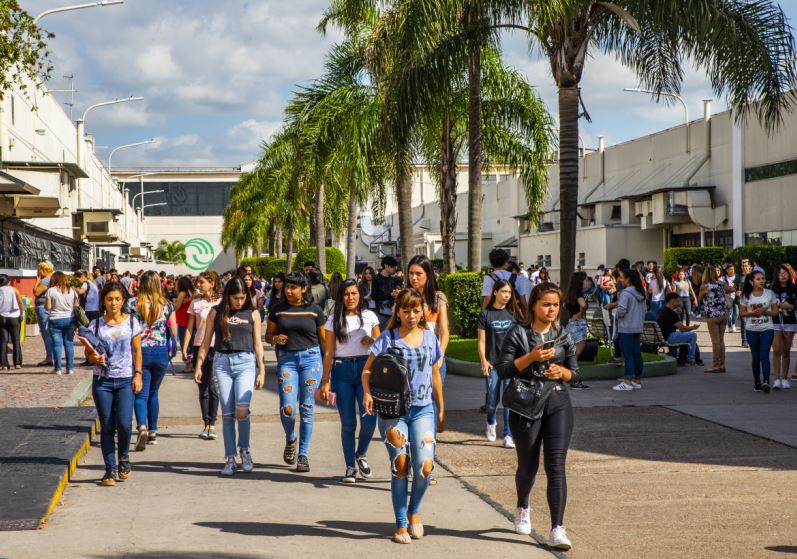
x=771 y=171
x=547 y=259
x=582 y=259
x=616 y=213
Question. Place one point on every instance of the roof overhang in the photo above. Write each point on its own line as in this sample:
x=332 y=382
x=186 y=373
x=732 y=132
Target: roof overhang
x=113 y=211
x=48 y=167
x=11 y=185
x=661 y=189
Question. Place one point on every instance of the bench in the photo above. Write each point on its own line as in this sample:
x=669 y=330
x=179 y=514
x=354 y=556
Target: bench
x=597 y=329
x=653 y=340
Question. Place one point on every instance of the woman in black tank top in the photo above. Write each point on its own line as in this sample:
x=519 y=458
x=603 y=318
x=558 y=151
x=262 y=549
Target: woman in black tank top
x=238 y=367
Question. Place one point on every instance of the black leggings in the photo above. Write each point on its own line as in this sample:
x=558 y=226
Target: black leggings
x=9 y=333
x=552 y=431
x=208 y=395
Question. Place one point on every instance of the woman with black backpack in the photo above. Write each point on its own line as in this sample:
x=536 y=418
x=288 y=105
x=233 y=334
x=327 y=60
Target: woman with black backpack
x=409 y=434
x=540 y=356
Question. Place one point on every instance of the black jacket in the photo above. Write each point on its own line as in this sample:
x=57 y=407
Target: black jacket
x=521 y=339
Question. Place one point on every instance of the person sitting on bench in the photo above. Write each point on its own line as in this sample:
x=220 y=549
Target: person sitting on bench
x=674 y=330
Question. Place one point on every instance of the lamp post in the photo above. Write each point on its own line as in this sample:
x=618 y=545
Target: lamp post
x=114 y=150
x=674 y=96
x=151 y=206
x=100 y=4
x=133 y=201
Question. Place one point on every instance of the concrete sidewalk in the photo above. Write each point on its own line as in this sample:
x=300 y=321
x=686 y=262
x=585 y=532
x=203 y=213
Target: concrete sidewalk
x=177 y=506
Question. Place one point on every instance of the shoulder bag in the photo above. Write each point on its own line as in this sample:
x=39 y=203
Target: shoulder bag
x=390 y=382
x=528 y=391
x=80 y=315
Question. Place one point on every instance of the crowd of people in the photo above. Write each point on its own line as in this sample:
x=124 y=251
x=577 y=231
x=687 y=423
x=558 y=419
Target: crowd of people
x=329 y=336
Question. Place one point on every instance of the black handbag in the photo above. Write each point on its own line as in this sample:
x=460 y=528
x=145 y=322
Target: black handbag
x=390 y=382
x=528 y=392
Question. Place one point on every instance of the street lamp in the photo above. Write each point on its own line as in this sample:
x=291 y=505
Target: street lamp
x=114 y=150
x=674 y=96
x=101 y=4
x=133 y=201
x=151 y=206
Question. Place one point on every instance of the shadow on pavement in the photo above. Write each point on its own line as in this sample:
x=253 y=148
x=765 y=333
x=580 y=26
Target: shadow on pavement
x=187 y=555
x=791 y=549
x=351 y=530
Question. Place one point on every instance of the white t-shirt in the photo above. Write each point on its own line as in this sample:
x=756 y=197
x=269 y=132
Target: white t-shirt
x=657 y=293
x=62 y=304
x=682 y=288
x=353 y=347
x=523 y=285
x=760 y=302
x=9 y=307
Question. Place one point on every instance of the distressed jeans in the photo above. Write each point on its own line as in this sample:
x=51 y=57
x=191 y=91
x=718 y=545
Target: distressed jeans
x=298 y=375
x=347 y=386
x=234 y=375
x=413 y=435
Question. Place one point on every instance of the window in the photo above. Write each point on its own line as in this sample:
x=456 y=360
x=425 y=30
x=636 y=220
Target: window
x=582 y=259
x=488 y=180
x=617 y=213
x=547 y=260
x=540 y=260
x=771 y=171
x=13 y=112
x=524 y=226
x=782 y=238
x=97 y=227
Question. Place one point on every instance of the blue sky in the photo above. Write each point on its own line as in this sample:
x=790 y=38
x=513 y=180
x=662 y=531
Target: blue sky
x=216 y=75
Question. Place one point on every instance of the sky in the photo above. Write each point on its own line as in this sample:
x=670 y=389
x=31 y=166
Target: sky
x=216 y=74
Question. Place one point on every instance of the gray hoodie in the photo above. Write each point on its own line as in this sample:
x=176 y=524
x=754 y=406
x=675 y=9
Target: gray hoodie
x=630 y=311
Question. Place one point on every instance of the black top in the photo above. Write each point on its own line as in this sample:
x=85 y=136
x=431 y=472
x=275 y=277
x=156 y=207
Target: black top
x=787 y=294
x=380 y=292
x=299 y=322
x=574 y=309
x=521 y=339
x=668 y=318
x=241 y=327
x=495 y=323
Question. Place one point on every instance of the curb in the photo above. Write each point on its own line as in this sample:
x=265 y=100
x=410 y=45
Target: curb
x=78 y=393
x=605 y=371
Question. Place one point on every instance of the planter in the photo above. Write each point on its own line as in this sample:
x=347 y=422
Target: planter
x=31 y=330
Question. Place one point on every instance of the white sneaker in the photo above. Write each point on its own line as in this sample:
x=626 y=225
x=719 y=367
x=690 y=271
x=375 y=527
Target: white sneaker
x=559 y=538
x=509 y=442
x=230 y=467
x=636 y=385
x=733 y=329
x=785 y=383
x=490 y=432
x=247 y=463
x=776 y=384
x=350 y=476
x=523 y=521
x=623 y=387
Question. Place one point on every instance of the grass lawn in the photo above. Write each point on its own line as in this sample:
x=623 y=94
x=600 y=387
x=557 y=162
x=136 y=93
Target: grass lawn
x=464 y=349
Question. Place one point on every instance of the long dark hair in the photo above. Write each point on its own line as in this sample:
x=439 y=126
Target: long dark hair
x=185 y=285
x=408 y=298
x=513 y=304
x=298 y=278
x=339 y=322
x=235 y=286
x=541 y=290
x=275 y=293
x=575 y=289
x=429 y=292
x=789 y=273
x=747 y=288
x=113 y=286
x=635 y=277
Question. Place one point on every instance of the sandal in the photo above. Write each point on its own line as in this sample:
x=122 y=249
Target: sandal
x=289 y=454
x=415 y=531
x=402 y=537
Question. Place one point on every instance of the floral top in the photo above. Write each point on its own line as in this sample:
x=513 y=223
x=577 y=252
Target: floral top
x=157 y=333
x=714 y=302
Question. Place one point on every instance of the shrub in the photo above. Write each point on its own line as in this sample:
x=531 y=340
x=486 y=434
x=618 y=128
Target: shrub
x=30 y=315
x=687 y=255
x=766 y=256
x=273 y=266
x=336 y=262
x=791 y=256
x=463 y=290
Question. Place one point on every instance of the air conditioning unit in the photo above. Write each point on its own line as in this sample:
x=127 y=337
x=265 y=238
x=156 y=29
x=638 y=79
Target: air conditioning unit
x=138 y=251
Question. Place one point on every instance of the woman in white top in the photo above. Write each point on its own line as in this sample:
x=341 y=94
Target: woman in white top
x=657 y=289
x=10 y=315
x=685 y=293
x=757 y=307
x=60 y=302
x=354 y=328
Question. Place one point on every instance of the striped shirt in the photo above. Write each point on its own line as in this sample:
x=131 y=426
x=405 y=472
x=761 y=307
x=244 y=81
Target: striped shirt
x=299 y=322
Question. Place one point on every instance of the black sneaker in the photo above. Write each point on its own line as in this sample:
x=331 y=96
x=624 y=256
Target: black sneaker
x=289 y=454
x=109 y=479
x=363 y=466
x=757 y=387
x=303 y=465
x=699 y=363
x=483 y=409
x=124 y=469
x=579 y=386
x=766 y=388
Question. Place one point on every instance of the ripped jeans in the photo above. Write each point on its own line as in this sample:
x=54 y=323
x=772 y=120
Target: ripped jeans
x=298 y=375
x=234 y=374
x=411 y=434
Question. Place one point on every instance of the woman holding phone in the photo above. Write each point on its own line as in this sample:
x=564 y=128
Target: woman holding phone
x=350 y=331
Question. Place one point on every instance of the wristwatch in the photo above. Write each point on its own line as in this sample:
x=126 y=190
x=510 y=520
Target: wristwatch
x=137 y=373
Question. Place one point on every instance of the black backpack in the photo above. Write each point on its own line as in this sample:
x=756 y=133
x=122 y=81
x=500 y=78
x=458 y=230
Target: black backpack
x=390 y=382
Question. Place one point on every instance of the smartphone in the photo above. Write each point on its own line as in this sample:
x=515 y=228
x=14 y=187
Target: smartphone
x=549 y=344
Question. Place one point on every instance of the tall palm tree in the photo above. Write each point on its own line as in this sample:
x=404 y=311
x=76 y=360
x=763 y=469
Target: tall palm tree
x=746 y=48
x=173 y=252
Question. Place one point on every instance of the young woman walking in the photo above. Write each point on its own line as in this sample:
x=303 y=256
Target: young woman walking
x=784 y=324
x=350 y=331
x=185 y=294
x=44 y=272
x=630 y=316
x=296 y=328
x=10 y=320
x=367 y=288
x=238 y=368
x=758 y=306
x=276 y=294
x=715 y=308
x=198 y=311
x=523 y=353
x=60 y=302
x=658 y=287
x=117 y=379
x=421 y=277
x=410 y=439
x=156 y=316
x=501 y=314
x=696 y=279
x=683 y=287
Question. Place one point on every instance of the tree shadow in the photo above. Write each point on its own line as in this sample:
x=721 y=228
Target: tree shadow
x=790 y=549
x=169 y=554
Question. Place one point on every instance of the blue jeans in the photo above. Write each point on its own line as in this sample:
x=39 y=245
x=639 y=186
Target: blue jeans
x=685 y=338
x=154 y=363
x=495 y=388
x=347 y=386
x=62 y=331
x=760 y=344
x=113 y=398
x=656 y=306
x=631 y=349
x=295 y=369
x=234 y=375
x=43 y=318
x=415 y=437
x=744 y=330
x=733 y=313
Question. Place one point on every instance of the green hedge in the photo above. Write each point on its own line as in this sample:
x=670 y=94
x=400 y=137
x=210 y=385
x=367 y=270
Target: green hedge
x=336 y=261
x=687 y=255
x=766 y=256
x=275 y=265
x=463 y=290
x=265 y=266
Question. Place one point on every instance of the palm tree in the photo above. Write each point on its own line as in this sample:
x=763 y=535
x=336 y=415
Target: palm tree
x=173 y=252
x=746 y=48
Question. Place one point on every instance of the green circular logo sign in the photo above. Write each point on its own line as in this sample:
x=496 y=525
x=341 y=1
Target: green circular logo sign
x=199 y=254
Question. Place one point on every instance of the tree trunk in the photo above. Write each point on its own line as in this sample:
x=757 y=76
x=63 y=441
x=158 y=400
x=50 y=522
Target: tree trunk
x=351 y=234
x=404 y=200
x=448 y=199
x=474 y=161
x=289 y=253
x=320 y=230
x=272 y=237
x=278 y=241
x=568 y=181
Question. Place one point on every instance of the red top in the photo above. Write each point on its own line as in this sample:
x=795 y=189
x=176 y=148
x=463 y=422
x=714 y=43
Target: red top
x=182 y=313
